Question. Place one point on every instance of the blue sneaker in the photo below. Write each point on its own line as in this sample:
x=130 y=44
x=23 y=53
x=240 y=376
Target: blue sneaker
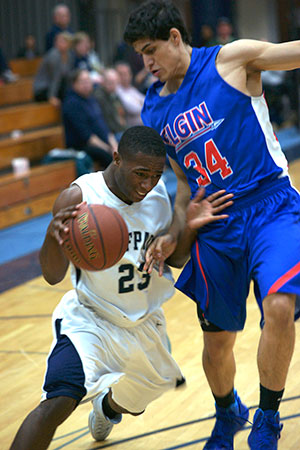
x=228 y=422
x=265 y=430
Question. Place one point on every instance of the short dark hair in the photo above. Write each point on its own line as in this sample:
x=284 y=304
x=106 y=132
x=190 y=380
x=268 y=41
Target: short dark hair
x=74 y=75
x=154 y=19
x=141 y=139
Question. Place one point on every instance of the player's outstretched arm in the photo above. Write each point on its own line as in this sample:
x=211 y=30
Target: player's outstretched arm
x=52 y=259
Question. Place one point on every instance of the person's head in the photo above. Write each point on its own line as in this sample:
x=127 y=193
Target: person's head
x=138 y=164
x=61 y=16
x=110 y=80
x=125 y=74
x=81 y=43
x=81 y=82
x=206 y=32
x=224 y=28
x=30 y=42
x=63 y=41
x=154 y=20
x=157 y=32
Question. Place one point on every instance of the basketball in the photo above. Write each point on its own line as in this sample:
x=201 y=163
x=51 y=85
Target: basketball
x=98 y=238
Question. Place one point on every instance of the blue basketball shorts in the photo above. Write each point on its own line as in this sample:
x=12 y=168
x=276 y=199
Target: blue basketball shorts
x=259 y=242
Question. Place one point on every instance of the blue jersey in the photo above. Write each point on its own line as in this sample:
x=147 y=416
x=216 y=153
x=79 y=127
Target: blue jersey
x=220 y=137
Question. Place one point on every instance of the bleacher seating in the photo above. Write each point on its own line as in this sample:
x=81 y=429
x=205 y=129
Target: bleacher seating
x=18 y=92
x=40 y=129
x=28 y=116
x=25 y=67
x=33 y=145
x=32 y=194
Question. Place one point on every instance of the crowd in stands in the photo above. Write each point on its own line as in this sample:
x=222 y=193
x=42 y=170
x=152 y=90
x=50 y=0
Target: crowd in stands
x=99 y=103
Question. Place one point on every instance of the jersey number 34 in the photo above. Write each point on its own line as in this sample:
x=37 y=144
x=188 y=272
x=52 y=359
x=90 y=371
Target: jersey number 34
x=215 y=162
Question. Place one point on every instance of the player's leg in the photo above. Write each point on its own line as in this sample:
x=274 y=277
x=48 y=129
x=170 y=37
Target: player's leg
x=218 y=361
x=148 y=370
x=277 y=340
x=274 y=356
x=219 y=367
x=217 y=277
x=63 y=390
x=274 y=254
x=38 y=428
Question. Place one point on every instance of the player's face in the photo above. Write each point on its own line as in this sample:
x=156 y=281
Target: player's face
x=137 y=176
x=161 y=58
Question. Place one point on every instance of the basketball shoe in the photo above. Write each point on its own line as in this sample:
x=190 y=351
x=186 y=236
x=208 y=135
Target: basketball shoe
x=265 y=430
x=228 y=422
x=100 y=426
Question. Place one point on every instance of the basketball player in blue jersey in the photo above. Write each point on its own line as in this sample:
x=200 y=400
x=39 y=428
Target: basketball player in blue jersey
x=112 y=323
x=210 y=110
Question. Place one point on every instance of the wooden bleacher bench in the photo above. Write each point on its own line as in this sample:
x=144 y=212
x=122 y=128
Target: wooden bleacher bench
x=18 y=92
x=28 y=116
x=25 y=67
x=33 y=145
x=30 y=195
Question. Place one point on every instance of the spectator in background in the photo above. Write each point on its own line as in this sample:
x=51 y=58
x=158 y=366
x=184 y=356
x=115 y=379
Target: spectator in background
x=224 y=32
x=6 y=74
x=29 y=51
x=125 y=53
x=111 y=106
x=85 y=127
x=61 y=22
x=51 y=79
x=207 y=36
x=85 y=57
x=94 y=59
x=275 y=90
x=131 y=98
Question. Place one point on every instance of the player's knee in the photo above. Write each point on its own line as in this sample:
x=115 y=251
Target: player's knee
x=218 y=346
x=57 y=409
x=279 y=309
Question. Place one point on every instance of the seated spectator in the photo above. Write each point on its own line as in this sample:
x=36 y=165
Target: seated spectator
x=61 y=23
x=29 y=51
x=94 y=59
x=84 y=58
x=6 y=74
x=224 y=32
x=131 y=98
x=111 y=106
x=85 y=128
x=206 y=36
x=50 y=81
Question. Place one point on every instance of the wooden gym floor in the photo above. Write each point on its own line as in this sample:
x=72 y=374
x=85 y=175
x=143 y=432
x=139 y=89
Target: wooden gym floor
x=181 y=418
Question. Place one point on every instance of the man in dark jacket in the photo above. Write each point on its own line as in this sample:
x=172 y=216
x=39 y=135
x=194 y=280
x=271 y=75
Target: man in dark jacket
x=85 y=127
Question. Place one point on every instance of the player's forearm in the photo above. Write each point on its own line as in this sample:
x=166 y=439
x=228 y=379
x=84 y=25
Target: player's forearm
x=183 y=248
x=53 y=261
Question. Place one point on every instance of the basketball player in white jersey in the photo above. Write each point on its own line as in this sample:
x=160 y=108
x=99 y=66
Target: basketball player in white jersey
x=110 y=342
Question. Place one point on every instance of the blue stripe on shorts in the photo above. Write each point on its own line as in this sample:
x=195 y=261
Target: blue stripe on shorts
x=64 y=375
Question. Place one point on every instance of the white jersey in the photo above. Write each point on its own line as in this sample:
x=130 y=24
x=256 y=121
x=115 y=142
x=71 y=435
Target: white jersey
x=124 y=294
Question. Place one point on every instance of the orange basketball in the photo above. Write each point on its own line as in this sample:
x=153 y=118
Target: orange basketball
x=98 y=237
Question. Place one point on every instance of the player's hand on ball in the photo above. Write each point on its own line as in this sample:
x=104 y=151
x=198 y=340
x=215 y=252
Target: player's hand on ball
x=202 y=211
x=57 y=227
x=160 y=249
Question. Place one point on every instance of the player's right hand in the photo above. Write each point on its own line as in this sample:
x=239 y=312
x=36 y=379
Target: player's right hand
x=57 y=227
x=159 y=250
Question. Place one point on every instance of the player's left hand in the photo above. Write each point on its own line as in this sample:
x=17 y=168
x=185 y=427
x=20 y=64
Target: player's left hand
x=159 y=250
x=202 y=211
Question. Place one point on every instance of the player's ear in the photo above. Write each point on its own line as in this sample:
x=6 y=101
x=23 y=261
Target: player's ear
x=175 y=36
x=116 y=158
